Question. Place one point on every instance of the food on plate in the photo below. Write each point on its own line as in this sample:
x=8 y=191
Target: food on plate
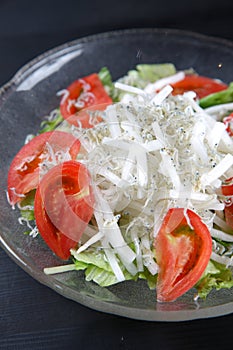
x=81 y=94
x=132 y=179
x=202 y=86
x=183 y=248
x=64 y=206
x=34 y=157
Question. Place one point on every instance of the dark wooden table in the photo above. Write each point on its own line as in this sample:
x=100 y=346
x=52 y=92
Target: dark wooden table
x=31 y=315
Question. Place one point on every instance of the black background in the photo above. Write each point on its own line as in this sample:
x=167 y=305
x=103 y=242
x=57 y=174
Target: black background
x=31 y=315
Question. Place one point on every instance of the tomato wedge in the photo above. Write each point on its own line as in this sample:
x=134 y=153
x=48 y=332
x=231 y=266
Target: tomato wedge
x=182 y=253
x=83 y=93
x=24 y=171
x=63 y=206
x=203 y=86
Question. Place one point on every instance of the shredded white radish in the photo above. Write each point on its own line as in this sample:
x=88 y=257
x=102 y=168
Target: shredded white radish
x=219 y=110
x=221 y=235
x=91 y=241
x=152 y=151
x=159 y=84
x=168 y=168
x=64 y=93
x=222 y=259
x=215 y=134
x=162 y=95
x=222 y=224
x=59 y=269
x=217 y=171
x=112 y=259
x=129 y=88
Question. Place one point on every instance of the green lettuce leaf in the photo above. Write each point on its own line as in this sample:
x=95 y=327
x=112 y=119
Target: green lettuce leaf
x=51 y=124
x=148 y=73
x=216 y=276
x=106 y=79
x=225 y=96
x=151 y=280
x=153 y=72
x=139 y=77
x=27 y=205
x=97 y=269
x=94 y=258
x=100 y=276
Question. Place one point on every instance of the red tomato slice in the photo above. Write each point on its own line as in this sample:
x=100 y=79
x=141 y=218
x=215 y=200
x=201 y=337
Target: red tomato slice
x=228 y=121
x=63 y=206
x=182 y=253
x=228 y=211
x=24 y=172
x=83 y=93
x=203 y=86
x=227 y=187
x=88 y=117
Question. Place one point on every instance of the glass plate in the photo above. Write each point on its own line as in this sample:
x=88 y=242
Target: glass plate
x=31 y=94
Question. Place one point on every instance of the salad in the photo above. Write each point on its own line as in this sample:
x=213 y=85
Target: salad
x=133 y=179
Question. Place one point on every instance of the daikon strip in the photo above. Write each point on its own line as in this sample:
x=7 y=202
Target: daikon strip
x=221 y=235
x=128 y=88
x=217 y=171
x=159 y=84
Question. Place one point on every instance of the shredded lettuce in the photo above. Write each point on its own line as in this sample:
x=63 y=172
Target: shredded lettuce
x=52 y=122
x=98 y=269
x=151 y=279
x=27 y=206
x=106 y=79
x=216 y=276
x=147 y=73
x=153 y=72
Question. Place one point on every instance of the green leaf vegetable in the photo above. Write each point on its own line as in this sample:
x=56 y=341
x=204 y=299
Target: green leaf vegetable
x=225 y=96
x=147 y=73
x=51 y=123
x=97 y=269
x=27 y=206
x=139 y=77
x=106 y=79
x=216 y=276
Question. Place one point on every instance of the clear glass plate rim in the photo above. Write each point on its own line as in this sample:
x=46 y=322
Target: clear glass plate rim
x=71 y=45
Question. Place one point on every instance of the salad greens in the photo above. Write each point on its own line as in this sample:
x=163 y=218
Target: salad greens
x=27 y=206
x=97 y=269
x=52 y=121
x=140 y=77
x=221 y=97
x=216 y=276
x=144 y=74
